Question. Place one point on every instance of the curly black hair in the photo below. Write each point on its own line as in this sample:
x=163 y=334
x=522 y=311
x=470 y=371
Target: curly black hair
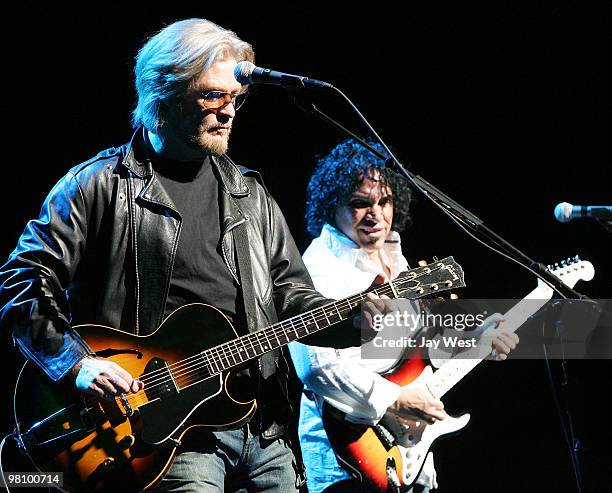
x=337 y=175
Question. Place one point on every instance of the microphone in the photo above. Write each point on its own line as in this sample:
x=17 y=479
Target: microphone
x=565 y=212
x=247 y=73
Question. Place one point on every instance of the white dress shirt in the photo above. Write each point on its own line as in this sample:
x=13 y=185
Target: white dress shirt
x=340 y=268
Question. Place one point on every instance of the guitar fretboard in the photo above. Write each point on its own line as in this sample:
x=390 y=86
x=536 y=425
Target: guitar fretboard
x=453 y=371
x=245 y=348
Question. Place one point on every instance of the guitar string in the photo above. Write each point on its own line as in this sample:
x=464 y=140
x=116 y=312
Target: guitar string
x=194 y=370
x=290 y=326
x=192 y=377
x=256 y=337
x=165 y=378
x=385 y=287
x=273 y=331
x=186 y=372
x=300 y=327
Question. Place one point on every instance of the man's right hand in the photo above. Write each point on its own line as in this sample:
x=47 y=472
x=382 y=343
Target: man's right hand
x=104 y=378
x=417 y=401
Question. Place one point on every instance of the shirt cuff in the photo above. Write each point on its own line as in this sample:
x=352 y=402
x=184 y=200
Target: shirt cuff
x=72 y=351
x=384 y=393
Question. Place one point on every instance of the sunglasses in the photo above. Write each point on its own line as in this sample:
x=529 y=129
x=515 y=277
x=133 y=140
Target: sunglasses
x=213 y=100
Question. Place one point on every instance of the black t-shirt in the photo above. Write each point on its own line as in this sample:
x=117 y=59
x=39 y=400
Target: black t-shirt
x=200 y=273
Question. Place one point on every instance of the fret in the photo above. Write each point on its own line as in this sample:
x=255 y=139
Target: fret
x=226 y=353
x=221 y=354
x=348 y=309
x=285 y=331
x=331 y=315
x=244 y=353
x=314 y=320
x=267 y=336
x=214 y=360
x=275 y=332
x=225 y=349
x=360 y=298
x=336 y=307
x=454 y=370
x=259 y=348
x=233 y=351
x=206 y=361
x=325 y=315
x=294 y=328
x=269 y=346
x=304 y=328
x=250 y=339
x=264 y=343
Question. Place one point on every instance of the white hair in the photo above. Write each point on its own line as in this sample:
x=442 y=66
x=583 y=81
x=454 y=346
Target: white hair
x=169 y=62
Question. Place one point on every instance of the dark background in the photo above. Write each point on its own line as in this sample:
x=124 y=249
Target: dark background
x=504 y=107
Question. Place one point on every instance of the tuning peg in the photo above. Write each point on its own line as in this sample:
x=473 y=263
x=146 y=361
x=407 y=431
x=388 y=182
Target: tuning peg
x=422 y=263
x=454 y=296
x=577 y=258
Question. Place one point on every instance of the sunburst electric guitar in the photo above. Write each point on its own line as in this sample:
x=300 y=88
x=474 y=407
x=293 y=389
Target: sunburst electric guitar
x=390 y=455
x=187 y=366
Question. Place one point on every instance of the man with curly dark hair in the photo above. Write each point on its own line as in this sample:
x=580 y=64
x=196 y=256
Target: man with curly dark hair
x=356 y=208
x=338 y=174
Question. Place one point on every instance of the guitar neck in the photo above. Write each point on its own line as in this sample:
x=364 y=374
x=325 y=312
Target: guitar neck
x=250 y=346
x=453 y=371
x=438 y=276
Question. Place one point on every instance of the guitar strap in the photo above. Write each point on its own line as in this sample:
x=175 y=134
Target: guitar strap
x=266 y=362
x=243 y=259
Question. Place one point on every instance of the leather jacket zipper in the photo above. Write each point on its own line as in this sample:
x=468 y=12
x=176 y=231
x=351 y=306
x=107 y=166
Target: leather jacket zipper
x=132 y=219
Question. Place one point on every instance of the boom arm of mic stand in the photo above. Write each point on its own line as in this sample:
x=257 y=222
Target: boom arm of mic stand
x=453 y=208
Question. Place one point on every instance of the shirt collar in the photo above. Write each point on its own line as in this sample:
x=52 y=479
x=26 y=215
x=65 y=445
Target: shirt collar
x=346 y=249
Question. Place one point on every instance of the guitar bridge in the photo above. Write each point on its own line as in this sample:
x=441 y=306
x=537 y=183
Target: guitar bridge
x=127 y=409
x=384 y=435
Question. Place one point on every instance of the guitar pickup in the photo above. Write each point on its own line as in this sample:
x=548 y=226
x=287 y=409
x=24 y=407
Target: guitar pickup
x=163 y=385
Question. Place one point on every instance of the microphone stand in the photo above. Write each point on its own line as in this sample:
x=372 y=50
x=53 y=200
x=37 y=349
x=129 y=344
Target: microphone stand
x=467 y=221
x=452 y=208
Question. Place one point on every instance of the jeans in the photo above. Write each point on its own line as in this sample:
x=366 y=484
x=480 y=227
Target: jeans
x=231 y=461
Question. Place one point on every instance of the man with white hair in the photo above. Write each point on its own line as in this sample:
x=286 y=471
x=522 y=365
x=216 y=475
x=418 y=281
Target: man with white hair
x=137 y=231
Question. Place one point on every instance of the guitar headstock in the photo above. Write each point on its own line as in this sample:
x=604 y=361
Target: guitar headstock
x=439 y=276
x=572 y=270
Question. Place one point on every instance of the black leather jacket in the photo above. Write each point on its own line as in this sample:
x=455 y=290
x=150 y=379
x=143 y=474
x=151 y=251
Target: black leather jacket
x=102 y=251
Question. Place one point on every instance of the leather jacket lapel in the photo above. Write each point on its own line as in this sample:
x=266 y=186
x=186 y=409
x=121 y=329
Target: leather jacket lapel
x=232 y=185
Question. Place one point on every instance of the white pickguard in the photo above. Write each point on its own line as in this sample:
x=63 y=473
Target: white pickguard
x=454 y=370
x=414 y=456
